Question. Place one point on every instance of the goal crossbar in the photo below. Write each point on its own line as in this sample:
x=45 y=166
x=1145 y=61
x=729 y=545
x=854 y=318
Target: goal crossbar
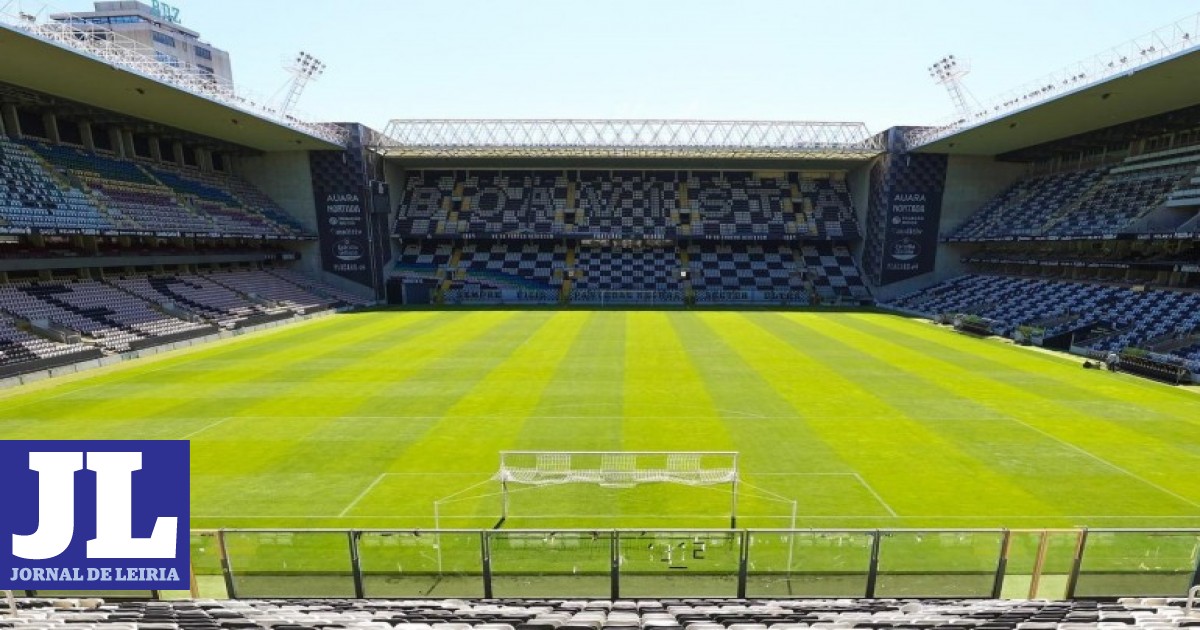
x=618 y=468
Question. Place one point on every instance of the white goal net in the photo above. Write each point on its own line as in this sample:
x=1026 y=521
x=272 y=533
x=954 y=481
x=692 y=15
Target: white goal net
x=617 y=469
x=572 y=489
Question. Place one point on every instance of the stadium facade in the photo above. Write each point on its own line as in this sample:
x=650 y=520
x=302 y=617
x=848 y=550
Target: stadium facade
x=1066 y=215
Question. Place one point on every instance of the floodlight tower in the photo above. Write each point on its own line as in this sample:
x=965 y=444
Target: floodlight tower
x=949 y=71
x=305 y=68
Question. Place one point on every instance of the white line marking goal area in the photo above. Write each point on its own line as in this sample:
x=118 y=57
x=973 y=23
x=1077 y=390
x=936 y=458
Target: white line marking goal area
x=849 y=488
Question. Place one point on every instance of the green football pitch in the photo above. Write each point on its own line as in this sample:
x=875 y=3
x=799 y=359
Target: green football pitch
x=866 y=420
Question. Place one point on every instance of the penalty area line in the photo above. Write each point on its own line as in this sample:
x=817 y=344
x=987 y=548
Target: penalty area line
x=206 y=427
x=876 y=495
x=360 y=496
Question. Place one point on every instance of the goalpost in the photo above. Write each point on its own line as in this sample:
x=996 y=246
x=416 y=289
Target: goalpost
x=618 y=469
x=528 y=470
x=522 y=471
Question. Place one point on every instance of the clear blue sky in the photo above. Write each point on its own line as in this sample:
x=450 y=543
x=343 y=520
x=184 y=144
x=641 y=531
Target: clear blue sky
x=854 y=60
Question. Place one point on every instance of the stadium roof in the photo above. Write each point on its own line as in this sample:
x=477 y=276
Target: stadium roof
x=1150 y=75
x=118 y=75
x=703 y=139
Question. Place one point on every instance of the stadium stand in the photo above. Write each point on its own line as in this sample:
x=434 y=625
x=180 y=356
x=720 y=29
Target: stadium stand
x=200 y=295
x=716 y=270
x=1026 y=206
x=573 y=614
x=601 y=268
x=139 y=311
x=332 y=295
x=833 y=272
x=625 y=204
x=533 y=266
x=31 y=199
x=60 y=188
x=1103 y=317
x=636 y=236
x=19 y=348
x=1094 y=202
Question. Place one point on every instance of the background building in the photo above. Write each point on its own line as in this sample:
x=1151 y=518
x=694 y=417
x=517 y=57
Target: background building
x=157 y=26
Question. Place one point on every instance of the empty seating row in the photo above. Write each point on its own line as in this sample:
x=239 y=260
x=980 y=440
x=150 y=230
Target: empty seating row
x=30 y=198
x=120 y=314
x=567 y=614
x=711 y=272
x=46 y=187
x=1094 y=202
x=1127 y=316
x=19 y=346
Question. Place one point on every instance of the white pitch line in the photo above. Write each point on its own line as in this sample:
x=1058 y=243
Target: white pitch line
x=361 y=495
x=876 y=495
x=800 y=474
x=205 y=428
x=1107 y=463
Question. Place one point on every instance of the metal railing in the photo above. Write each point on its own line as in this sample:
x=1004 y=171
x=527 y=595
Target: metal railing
x=772 y=563
x=564 y=138
x=1170 y=41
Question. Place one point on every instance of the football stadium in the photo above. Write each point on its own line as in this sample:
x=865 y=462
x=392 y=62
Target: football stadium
x=603 y=373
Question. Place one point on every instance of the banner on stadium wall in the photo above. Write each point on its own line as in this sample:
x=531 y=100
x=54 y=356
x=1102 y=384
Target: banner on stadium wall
x=911 y=236
x=344 y=233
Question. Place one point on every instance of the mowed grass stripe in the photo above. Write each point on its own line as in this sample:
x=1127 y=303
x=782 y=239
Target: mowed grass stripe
x=824 y=396
x=761 y=421
x=295 y=464
x=485 y=419
x=270 y=432
x=668 y=408
x=135 y=402
x=1122 y=397
x=780 y=454
x=1161 y=451
x=581 y=405
x=488 y=417
x=53 y=389
x=912 y=467
x=1042 y=466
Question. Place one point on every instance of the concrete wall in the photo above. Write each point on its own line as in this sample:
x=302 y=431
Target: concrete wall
x=970 y=182
x=858 y=181
x=286 y=178
x=395 y=176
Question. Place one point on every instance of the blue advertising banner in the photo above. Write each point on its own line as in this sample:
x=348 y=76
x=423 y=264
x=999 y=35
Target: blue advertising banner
x=95 y=515
x=904 y=213
x=910 y=239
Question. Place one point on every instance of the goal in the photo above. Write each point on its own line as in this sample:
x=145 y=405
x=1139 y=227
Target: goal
x=526 y=471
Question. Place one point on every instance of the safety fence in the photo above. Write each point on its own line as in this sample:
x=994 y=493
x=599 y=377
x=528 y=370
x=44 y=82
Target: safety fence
x=741 y=563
